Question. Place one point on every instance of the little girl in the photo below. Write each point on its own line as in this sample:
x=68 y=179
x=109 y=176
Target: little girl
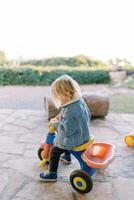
x=73 y=126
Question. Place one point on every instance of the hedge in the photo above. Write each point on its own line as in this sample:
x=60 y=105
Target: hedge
x=24 y=76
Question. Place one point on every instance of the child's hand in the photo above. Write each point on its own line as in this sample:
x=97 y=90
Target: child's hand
x=53 y=123
x=57 y=117
x=53 y=120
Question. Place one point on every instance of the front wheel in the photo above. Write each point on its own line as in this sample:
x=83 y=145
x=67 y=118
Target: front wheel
x=81 y=181
x=40 y=153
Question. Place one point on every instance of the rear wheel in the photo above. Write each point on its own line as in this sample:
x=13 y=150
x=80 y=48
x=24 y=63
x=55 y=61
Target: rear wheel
x=81 y=181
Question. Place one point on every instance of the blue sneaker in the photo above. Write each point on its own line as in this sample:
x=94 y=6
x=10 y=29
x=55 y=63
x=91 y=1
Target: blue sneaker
x=49 y=177
x=66 y=159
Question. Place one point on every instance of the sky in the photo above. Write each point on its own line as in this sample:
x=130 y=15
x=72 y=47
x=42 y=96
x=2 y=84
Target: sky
x=102 y=29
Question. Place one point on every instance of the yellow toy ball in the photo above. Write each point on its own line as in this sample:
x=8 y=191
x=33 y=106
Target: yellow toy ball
x=129 y=140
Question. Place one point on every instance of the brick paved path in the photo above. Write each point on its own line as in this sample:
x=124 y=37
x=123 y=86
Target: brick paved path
x=20 y=134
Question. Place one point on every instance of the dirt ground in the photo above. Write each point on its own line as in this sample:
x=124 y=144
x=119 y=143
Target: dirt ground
x=31 y=97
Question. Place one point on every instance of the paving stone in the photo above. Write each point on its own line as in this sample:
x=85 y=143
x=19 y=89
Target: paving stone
x=9 y=145
x=19 y=198
x=4 y=178
x=33 y=147
x=29 y=153
x=30 y=138
x=20 y=134
x=12 y=127
x=4 y=157
x=124 y=188
x=3 y=117
x=123 y=150
x=25 y=123
x=100 y=191
x=43 y=190
x=11 y=133
x=23 y=113
x=27 y=166
x=6 y=111
x=104 y=134
x=14 y=183
x=31 y=150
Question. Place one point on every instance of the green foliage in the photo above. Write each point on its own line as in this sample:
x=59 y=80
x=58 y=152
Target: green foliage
x=27 y=76
x=18 y=77
x=68 y=61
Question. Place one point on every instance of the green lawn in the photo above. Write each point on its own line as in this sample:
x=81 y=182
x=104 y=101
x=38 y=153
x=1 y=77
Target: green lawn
x=122 y=103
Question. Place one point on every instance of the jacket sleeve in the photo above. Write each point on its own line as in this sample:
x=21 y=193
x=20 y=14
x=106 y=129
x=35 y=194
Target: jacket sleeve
x=67 y=126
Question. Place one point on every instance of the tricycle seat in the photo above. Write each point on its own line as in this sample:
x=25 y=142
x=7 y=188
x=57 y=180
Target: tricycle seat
x=99 y=155
x=85 y=145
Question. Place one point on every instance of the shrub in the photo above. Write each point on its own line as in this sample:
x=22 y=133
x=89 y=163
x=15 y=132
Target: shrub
x=26 y=76
x=18 y=77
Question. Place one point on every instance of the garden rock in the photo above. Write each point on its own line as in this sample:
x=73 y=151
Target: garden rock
x=97 y=103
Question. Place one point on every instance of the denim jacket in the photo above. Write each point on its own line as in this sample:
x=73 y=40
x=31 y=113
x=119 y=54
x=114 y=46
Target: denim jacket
x=73 y=127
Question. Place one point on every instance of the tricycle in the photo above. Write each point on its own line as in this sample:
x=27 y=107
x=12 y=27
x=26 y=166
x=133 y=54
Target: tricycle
x=91 y=156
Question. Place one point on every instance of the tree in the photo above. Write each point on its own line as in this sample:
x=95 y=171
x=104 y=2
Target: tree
x=2 y=58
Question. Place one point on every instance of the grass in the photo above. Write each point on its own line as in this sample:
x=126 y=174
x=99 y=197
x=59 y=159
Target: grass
x=130 y=84
x=120 y=103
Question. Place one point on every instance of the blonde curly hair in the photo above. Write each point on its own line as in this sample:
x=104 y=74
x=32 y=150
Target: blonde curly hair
x=65 y=86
